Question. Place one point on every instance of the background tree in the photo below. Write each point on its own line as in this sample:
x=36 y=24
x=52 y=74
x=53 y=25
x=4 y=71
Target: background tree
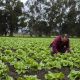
x=10 y=11
x=37 y=16
x=14 y=10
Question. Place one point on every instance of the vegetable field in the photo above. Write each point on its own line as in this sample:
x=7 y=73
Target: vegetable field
x=30 y=59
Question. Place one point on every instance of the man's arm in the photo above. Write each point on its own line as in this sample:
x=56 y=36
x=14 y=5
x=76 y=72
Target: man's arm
x=54 y=44
x=68 y=46
x=51 y=44
x=55 y=41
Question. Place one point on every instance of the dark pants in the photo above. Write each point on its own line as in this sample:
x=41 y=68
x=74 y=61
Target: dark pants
x=62 y=50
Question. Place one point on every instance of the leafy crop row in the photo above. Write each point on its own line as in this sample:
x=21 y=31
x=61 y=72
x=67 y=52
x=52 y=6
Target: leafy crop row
x=30 y=59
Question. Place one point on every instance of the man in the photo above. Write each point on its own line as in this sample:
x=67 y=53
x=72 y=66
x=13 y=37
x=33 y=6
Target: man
x=60 y=44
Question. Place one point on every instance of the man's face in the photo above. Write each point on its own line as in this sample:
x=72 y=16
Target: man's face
x=64 y=39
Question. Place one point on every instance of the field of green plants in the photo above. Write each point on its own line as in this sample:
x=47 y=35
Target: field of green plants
x=30 y=59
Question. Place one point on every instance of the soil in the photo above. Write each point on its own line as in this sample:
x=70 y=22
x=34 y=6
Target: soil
x=40 y=73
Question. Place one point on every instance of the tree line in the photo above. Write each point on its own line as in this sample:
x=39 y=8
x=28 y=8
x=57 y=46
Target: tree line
x=42 y=17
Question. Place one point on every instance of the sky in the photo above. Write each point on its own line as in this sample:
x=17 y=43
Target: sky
x=23 y=1
x=26 y=0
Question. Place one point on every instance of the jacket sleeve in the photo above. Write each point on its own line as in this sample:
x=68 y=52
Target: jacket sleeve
x=55 y=41
x=51 y=43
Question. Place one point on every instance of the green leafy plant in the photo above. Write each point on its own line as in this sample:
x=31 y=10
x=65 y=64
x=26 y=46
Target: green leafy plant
x=31 y=77
x=74 y=75
x=3 y=69
x=9 y=78
x=54 y=76
x=8 y=51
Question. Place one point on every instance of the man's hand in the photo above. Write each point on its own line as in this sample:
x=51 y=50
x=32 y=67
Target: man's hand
x=49 y=46
x=68 y=51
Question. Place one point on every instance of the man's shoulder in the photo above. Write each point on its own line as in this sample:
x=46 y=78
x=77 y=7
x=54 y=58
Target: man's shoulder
x=58 y=38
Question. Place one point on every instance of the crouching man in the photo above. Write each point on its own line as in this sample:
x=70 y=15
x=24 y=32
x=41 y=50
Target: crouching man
x=60 y=44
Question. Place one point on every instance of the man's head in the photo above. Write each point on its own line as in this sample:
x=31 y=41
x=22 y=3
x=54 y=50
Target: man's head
x=64 y=37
